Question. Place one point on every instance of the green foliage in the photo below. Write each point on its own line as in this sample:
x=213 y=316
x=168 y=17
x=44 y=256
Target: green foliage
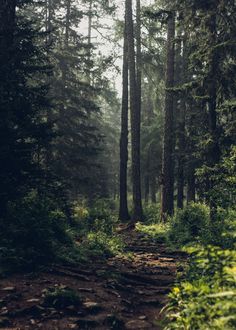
x=61 y=297
x=99 y=217
x=33 y=232
x=206 y=299
x=101 y=244
x=152 y=213
x=157 y=231
x=95 y=229
x=224 y=177
x=188 y=224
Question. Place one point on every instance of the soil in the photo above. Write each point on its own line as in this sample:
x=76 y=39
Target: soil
x=118 y=293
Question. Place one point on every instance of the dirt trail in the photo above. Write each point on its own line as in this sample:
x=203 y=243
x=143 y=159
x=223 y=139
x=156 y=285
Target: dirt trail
x=121 y=293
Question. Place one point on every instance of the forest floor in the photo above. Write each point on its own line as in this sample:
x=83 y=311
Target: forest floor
x=123 y=292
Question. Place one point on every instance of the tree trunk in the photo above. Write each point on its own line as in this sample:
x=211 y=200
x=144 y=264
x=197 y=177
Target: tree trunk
x=191 y=185
x=123 y=212
x=181 y=136
x=7 y=28
x=68 y=13
x=214 y=152
x=138 y=55
x=89 y=39
x=153 y=190
x=167 y=165
x=7 y=25
x=135 y=118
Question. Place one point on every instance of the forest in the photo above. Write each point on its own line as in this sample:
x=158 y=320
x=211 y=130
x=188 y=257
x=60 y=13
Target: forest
x=118 y=164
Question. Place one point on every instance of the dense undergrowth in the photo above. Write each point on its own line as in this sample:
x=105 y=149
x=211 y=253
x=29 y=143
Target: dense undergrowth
x=205 y=295
x=37 y=232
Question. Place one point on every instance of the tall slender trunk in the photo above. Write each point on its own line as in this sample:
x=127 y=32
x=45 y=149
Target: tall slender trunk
x=153 y=189
x=191 y=183
x=68 y=13
x=214 y=152
x=138 y=56
x=181 y=135
x=7 y=25
x=135 y=118
x=123 y=212
x=7 y=28
x=167 y=165
x=89 y=38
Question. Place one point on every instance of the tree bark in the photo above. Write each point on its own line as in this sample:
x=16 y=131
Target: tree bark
x=181 y=135
x=68 y=13
x=135 y=119
x=123 y=211
x=7 y=24
x=214 y=152
x=191 y=184
x=167 y=165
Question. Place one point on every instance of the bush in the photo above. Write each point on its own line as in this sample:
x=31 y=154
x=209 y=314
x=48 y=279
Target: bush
x=206 y=299
x=102 y=244
x=99 y=217
x=94 y=229
x=188 y=224
x=157 y=232
x=32 y=232
x=61 y=297
x=152 y=213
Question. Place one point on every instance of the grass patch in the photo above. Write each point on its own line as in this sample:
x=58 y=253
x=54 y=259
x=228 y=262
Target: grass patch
x=61 y=298
x=157 y=232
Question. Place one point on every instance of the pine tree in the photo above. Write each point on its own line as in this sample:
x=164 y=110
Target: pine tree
x=135 y=117
x=123 y=210
x=23 y=102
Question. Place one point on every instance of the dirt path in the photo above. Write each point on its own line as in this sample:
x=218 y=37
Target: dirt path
x=122 y=293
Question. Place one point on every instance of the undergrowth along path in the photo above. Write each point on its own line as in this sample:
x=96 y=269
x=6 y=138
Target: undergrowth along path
x=123 y=292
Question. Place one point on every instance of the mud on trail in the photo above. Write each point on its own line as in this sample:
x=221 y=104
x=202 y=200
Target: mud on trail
x=119 y=293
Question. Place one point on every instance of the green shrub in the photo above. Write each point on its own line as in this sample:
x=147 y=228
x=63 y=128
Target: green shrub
x=99 y=217
x=157 y=232
x=102 y=244
x=33 y=232
x=188 y=224
x=152 y=213
x=61 y=297
x=206 y=298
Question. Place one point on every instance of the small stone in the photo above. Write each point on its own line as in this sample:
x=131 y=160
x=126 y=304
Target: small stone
x=137 y=324
x=142 y=317
x=9 y=289
x=92 y=306
x=33 y=300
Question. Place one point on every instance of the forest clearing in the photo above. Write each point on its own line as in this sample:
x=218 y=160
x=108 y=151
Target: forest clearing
x=118 y=164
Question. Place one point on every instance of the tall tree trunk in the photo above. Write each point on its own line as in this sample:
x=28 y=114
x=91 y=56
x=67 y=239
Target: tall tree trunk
x=7 y=28
x=181 y=135
x=191 y=183
x=214 y=152
x=68 y=13
x=153 y=189
x=135 y=118
x=123 y=212
x=89 y=38
x=138 y=56
x=146 y=187
x=167 y=165
x=7 y=25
